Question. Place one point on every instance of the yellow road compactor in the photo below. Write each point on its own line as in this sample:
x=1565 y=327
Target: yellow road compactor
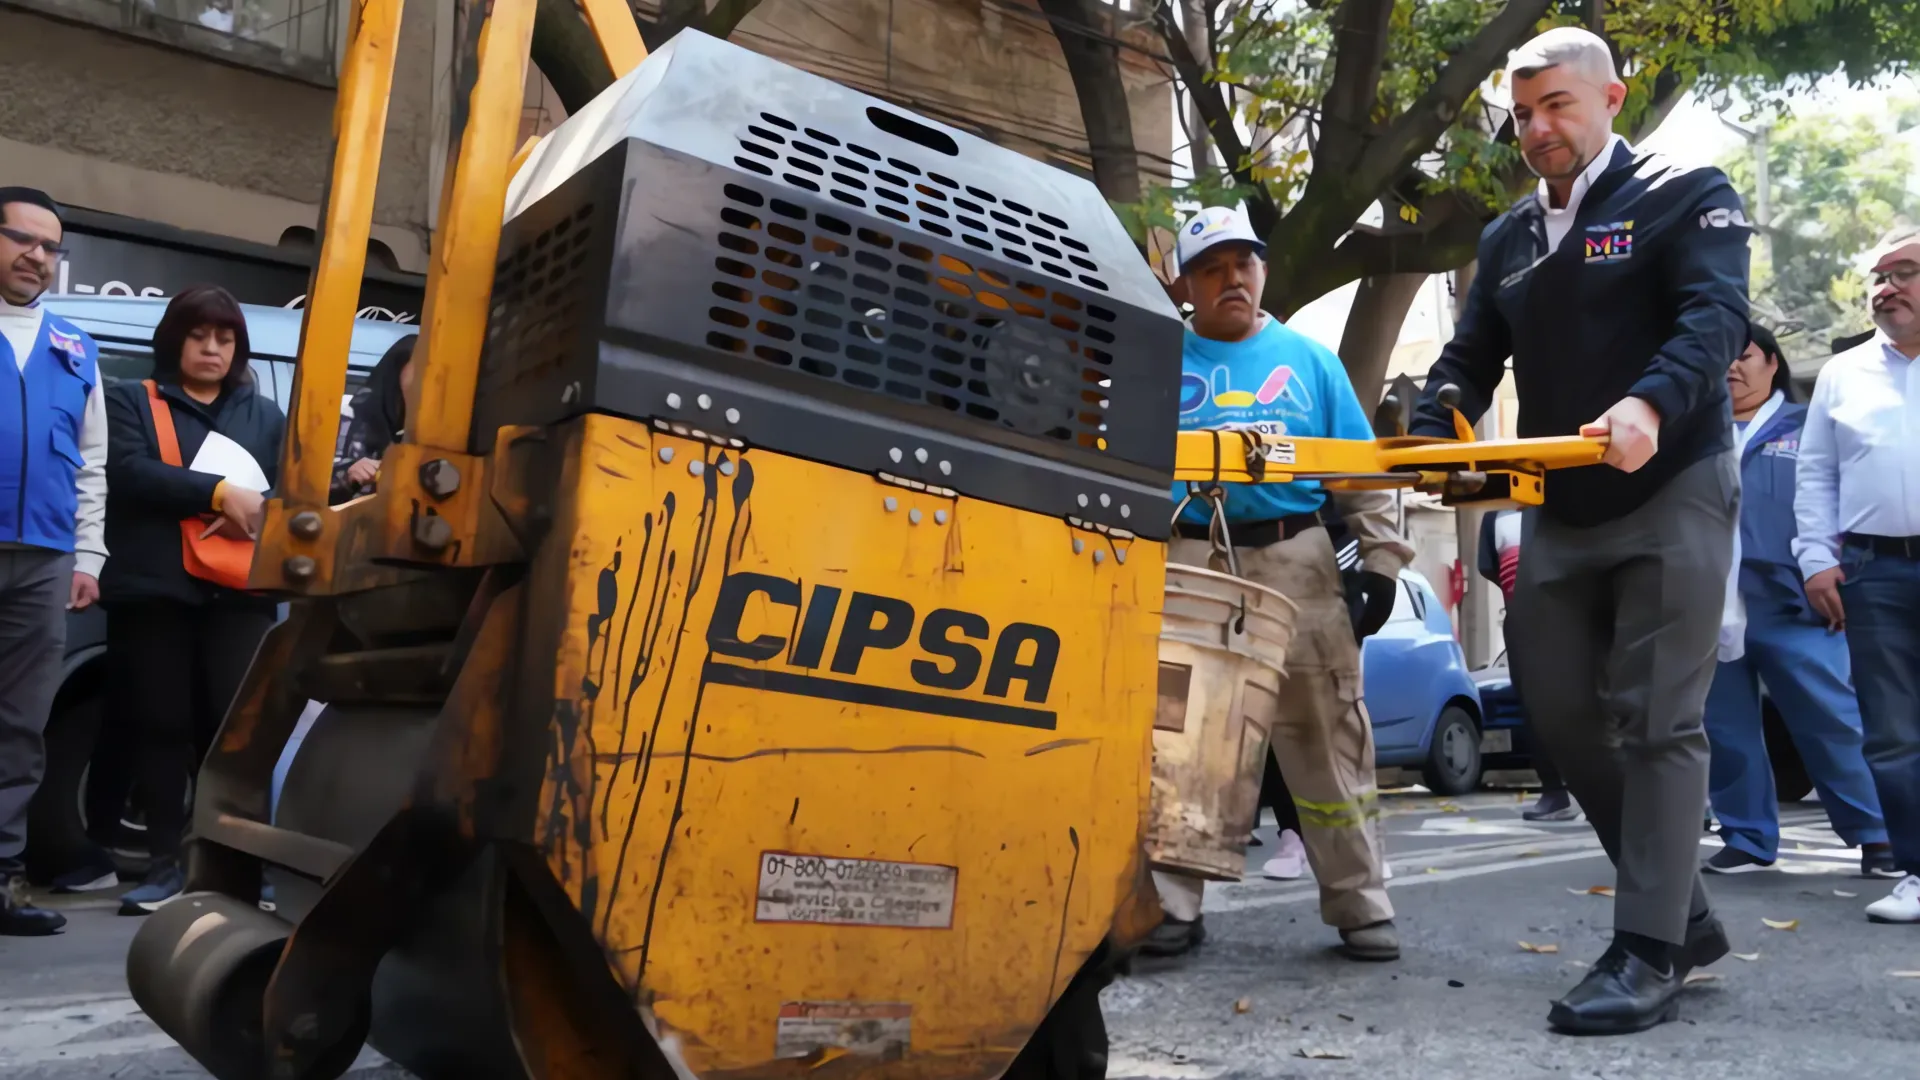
x=746 y=667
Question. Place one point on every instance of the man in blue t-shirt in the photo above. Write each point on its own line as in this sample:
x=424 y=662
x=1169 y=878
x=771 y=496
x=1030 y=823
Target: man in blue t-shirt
x=1241 y=368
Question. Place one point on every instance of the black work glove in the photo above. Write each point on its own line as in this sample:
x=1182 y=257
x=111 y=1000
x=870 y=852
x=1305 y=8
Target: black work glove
x=1376 y=603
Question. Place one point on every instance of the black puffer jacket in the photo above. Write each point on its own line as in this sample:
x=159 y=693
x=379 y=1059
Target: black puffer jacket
x=147 y=498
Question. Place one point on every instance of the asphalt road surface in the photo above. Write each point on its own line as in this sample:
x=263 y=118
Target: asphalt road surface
x=1267 y=998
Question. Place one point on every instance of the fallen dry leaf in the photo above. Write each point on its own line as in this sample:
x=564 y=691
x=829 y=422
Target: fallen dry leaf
x=1532 y=948
x=1321 y=1055
x=1433 y=869
x=1529 y=854
x=1449 y=808
x=1749 y=957
x=1790 y=924
x=1699 y=977
x=1243 y=1006
x=1845 y=895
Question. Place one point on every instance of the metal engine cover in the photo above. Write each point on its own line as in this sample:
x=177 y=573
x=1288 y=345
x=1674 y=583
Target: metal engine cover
x=733 y=249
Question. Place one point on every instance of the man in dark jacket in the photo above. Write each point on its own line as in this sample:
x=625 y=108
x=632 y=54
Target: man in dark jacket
x=1619 y=290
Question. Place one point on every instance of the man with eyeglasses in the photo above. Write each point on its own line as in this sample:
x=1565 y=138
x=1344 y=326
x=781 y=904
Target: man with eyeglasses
x=53 y=499
x=1858 y=509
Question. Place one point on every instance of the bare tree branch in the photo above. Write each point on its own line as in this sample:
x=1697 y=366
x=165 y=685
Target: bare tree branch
x=565 y=51
x=1427 y=119
x=678 y=15
x=1212 y=104
x=1105 y=112
x=1360 y=29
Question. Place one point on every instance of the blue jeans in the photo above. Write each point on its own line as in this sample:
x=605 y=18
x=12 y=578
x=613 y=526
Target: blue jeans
x=1882 y=598
x=1805 y=669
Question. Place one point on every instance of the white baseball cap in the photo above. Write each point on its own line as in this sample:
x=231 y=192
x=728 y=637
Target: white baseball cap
x=1211 y=226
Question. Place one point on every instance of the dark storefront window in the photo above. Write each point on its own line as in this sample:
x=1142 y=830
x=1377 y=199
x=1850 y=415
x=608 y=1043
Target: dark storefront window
x=290 y=37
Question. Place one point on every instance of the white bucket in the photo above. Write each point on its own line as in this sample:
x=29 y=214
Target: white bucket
x=1223 y=650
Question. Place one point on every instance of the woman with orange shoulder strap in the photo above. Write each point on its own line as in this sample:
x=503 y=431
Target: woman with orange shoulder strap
x=185 y=506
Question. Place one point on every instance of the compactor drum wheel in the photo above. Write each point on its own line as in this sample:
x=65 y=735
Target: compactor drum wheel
x=811 y=735
x=200 y=966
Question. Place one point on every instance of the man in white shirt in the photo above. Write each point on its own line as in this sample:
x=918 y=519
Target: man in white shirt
x=1858 y=509
x=53 y=500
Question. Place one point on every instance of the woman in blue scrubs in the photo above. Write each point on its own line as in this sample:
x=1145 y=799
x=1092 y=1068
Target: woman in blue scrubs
x=1785 y=644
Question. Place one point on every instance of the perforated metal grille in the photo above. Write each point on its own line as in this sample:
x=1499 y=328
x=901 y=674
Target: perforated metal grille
x=537 y=293
x=902 y=191
x=821 y=295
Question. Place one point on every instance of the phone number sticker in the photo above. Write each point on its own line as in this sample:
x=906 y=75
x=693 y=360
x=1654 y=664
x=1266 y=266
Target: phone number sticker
x=854 y=892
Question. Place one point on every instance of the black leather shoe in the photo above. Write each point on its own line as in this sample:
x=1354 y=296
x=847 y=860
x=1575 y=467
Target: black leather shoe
x=21 y=919
x=1622 y=994
x=1706 y=943
x=1174 y=937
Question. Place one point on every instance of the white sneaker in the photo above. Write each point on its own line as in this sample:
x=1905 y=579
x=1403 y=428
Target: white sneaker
x=1290 y=862
x=1902 y=905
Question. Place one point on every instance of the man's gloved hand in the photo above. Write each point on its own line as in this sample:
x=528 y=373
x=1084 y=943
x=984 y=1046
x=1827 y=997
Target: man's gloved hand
x=1376 y=606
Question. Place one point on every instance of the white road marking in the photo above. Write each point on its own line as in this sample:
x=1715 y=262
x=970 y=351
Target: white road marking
x=1304 y=894
x=1127 y=1068
x=39 y=1031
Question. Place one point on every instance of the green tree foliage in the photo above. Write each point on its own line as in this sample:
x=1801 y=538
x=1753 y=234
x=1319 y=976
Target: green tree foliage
x=1837 y=183
x=1319 y=109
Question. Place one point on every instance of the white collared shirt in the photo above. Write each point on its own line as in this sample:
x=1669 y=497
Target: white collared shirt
x=21 y=327
x=1560 y=222
x=1859 y=466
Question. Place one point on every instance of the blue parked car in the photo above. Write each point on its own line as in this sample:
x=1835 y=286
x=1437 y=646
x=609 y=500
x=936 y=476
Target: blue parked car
x=1422 y=700
x=123 y=329
x=1504 y=744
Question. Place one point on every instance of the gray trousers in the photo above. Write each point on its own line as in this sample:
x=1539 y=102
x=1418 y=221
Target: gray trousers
x=1620 y=623
x=34 y=586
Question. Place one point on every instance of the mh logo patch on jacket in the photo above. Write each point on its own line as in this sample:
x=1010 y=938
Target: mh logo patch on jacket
x=1610 y=243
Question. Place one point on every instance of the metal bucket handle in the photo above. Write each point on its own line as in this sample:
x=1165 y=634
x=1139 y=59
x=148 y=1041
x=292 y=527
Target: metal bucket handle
x=1218 y=534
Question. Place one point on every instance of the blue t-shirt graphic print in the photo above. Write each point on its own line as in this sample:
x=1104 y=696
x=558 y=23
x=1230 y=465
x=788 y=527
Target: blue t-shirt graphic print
x=1277 y=382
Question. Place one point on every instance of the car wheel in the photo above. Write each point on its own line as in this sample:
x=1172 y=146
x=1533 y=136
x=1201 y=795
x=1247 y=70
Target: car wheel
x=1790 y=780
x=1453 y=761
x=56 y=826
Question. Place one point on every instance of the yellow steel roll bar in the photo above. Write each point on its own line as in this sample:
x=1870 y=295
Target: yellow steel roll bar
x=439 y=504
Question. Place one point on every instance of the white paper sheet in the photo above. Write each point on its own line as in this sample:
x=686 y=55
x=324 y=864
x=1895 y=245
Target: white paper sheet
x=230 y=461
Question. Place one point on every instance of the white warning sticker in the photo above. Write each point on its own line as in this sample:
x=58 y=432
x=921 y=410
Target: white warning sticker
x=877 y=1030
x=1279 y=453
x=855 y=892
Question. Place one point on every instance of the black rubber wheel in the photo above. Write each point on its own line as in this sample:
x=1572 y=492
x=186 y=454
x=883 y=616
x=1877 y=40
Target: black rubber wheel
x=1453 y=761
x=56 y=824
x=1790 y=780
x=1071 y=1043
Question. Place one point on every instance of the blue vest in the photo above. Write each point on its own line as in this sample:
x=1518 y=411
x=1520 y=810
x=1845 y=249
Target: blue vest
x=41 y=411
x=1769 y=574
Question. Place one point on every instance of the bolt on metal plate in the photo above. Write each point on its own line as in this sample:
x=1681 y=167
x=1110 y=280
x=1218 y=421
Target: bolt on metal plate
x=440 y=478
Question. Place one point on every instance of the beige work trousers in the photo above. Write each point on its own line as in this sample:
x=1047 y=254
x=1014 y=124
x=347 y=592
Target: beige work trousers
x=1322 y=739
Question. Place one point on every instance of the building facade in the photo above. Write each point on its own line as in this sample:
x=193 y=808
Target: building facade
x=214 y=117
